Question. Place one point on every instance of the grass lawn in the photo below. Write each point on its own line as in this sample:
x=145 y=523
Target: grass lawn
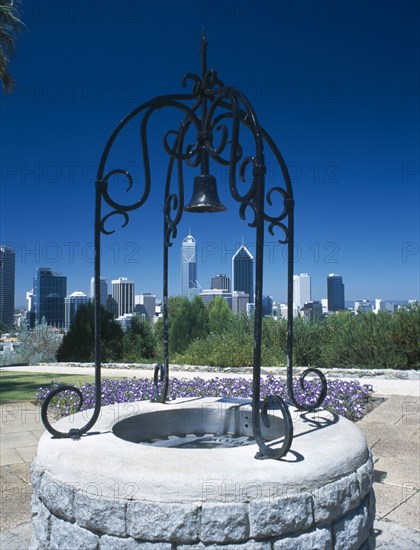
x=22 y=386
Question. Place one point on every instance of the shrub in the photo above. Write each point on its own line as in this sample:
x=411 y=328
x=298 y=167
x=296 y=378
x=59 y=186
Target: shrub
x=38 y=345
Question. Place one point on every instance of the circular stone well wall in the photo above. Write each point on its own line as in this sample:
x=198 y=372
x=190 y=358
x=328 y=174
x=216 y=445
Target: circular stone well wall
x=183 y=475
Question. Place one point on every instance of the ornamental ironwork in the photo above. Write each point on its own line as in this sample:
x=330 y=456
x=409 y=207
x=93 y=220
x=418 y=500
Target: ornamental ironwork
x=217 y=115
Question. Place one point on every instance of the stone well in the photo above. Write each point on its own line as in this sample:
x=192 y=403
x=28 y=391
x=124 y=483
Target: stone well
x=182 y=475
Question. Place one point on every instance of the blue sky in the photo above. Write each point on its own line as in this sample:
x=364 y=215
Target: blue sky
x=336 y=84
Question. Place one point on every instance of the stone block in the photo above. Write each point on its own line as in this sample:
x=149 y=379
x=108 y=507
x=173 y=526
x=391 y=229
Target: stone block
x=274 y=517
x=150 y=521
x=351 y=531
x=224 y=523
x=335 y=499
x=154 y=546
x=57 y=497
x=36 y=475
x=34 y=504
x=69 y=535
x=115 y=543
x=365 y=478
x=370 y=542
x=250 y=545
x=100 y=514
x=41 y=526
x=318 y=539
x=371 y=506
x=33 y=545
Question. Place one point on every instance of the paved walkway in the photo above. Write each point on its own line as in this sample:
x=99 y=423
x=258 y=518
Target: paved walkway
x=392 y=431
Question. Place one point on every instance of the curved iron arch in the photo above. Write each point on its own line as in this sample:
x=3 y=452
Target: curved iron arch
x=226 y=105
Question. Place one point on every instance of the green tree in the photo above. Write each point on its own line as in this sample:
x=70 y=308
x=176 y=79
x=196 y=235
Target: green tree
x=139 y=341
x=189 y=323
x=219 y=315
x=79 y=343
x=10 y=25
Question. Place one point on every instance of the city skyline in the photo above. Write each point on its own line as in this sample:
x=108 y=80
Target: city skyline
x=333 y=110
x=302 y=287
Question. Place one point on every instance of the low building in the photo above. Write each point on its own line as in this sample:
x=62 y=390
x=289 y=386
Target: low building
x=208 y=295
x=240 y=300
x=312 y=310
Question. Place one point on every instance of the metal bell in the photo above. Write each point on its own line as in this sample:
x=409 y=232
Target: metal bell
x=205 y=197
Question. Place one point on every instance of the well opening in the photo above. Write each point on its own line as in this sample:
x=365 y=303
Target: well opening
x=208 y=427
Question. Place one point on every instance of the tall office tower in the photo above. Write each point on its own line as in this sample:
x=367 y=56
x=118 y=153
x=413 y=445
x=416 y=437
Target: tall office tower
x=103 y=290
x=243 y=272
x=50 y=291
x=145 y=305
x=7 y=285
x=123 y=294
x=267 y=305
x=220 y=282
x=301 y=289
x=335 y=292
x=71 y=305
x=189 y=283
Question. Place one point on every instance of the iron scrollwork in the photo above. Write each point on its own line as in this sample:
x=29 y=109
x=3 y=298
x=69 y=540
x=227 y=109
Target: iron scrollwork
x=218 y=115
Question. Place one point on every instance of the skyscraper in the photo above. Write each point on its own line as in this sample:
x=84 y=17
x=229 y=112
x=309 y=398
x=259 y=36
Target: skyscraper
x=71 y=305
x=267 y=305
x=189 y=283
x=50 y=291
x=301 y=289
x=123 y=294
x=103 y=290
x=145 y=305
x=243 y=272
x=335 y=292
x=220 y=282
x=7 y=285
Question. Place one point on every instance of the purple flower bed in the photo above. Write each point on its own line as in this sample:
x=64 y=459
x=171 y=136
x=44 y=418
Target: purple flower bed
x=345 y=398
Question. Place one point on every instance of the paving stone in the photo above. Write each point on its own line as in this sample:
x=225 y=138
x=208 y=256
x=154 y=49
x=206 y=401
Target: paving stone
x=15 y=495
x=16 y=538
x=390 y=536
x=10 y=456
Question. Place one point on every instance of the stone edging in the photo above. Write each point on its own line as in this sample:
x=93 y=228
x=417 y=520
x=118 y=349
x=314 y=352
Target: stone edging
x=387 y=374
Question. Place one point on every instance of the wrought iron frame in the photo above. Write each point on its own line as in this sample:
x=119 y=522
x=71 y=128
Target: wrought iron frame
x=217 y=105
